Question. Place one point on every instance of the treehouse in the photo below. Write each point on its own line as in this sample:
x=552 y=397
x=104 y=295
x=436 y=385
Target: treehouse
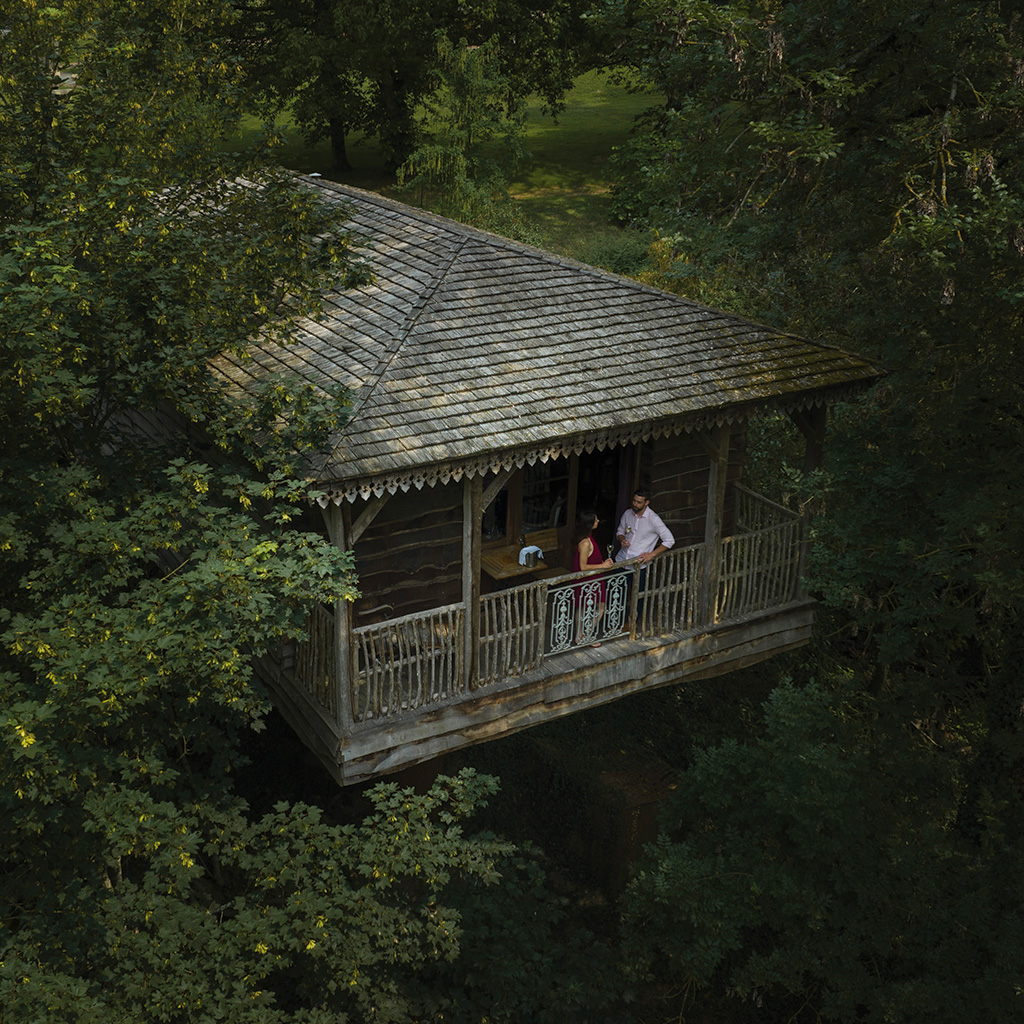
x=497 y=390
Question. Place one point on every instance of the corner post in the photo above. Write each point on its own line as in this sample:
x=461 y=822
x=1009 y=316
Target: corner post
x=718 y=473
x=339 y=529
x=472 y=511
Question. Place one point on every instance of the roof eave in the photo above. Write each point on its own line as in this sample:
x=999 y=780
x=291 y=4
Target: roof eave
x=330 y=486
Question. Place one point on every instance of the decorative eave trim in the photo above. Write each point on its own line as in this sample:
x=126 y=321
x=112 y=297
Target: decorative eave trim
x=634 y=433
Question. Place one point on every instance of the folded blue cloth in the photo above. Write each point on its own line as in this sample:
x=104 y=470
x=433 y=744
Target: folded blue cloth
x=525 y=551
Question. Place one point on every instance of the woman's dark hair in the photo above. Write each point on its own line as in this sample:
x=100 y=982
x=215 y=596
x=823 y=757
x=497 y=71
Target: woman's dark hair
x=584 y=523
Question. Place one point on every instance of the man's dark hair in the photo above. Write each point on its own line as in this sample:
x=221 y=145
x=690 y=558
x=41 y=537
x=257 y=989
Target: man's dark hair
x=642 y=491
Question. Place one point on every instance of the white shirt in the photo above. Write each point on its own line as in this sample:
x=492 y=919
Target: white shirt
x=644 y=533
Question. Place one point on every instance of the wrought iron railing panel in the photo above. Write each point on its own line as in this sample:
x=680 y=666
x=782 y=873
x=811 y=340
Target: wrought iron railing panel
x=587 y=608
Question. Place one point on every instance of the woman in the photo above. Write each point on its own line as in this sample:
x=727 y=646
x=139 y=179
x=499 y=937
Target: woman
x=588 y=556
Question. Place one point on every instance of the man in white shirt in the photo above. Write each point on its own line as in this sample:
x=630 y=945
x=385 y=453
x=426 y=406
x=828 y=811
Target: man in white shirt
x=642 y=533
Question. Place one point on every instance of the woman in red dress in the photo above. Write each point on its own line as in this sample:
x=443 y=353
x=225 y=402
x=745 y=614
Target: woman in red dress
x=587 y=555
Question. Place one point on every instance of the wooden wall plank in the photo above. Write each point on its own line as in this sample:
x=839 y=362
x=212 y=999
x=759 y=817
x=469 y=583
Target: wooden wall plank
x=410 y=558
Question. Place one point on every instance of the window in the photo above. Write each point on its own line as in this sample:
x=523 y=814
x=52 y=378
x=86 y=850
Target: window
x=545 y=495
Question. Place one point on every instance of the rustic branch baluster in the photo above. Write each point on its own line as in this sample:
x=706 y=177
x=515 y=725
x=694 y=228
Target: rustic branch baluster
x=511 y=640
x=314 y=658
x=408 y=662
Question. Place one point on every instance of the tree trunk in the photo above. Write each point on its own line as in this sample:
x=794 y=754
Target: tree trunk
x=396 y=135
x=338 y=145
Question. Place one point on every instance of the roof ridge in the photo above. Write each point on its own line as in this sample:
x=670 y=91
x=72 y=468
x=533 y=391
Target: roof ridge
x=470 y=231
x=415 y=312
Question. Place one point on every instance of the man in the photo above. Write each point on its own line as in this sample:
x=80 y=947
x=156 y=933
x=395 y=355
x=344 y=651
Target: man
x=641 y=532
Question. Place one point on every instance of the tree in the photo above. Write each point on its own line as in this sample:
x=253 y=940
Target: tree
x=854 y=172
x=816 y=869
x=469 y=141
x=151 y=543
x=285 y=918
x=348 y=67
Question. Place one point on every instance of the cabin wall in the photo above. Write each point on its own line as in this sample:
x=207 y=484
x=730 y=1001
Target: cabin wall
x=410 y=557
x=679 y=480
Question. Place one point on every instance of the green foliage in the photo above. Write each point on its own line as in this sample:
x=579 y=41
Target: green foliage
x=132 y=253
x=856 y=133
x=626 y=254
x=210 y=916
x=522 y=958
x=815 y=869
x=853 y=172
x=471 y=140
x=150 y=550
x=366 y=66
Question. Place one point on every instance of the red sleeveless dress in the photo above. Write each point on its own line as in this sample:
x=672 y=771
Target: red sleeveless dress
x=593 y=561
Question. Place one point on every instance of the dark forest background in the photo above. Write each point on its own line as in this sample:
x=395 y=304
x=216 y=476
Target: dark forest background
x=840 y=831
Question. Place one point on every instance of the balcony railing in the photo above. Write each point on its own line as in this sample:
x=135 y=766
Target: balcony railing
x=408 y=662
x=418 y=660
x=315 y=661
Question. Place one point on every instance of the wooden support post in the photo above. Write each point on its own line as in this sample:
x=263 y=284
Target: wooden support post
x=368 y=515
x=571 y=508
x=628 y=460
x=718 y=473
x=339 y=529
x=494 y=488
x=472 y=512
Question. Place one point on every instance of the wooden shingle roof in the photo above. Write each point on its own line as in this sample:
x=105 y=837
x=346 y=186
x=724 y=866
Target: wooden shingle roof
x=470 y=352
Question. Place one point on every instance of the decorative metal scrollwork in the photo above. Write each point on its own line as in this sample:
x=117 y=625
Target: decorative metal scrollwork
x=588 y=609
x=562 y=619
x=617 y=607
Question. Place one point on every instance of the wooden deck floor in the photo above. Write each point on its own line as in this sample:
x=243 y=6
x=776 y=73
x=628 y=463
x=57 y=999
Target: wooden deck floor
x=561 y=685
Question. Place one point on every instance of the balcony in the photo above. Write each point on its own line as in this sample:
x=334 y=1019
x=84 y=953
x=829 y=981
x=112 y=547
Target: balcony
x=444 y=678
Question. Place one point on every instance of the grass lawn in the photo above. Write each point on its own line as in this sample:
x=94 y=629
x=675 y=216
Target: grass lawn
x=563 y=185
x=564 y=188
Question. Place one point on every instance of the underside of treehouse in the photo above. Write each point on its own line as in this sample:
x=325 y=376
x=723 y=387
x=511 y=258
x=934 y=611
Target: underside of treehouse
x=454 y=642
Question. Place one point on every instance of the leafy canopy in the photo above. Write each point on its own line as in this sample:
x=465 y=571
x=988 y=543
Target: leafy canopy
x=854 y=172
x=150 y=548
x=345 y=67
x=470 y=140
x=815 y=869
